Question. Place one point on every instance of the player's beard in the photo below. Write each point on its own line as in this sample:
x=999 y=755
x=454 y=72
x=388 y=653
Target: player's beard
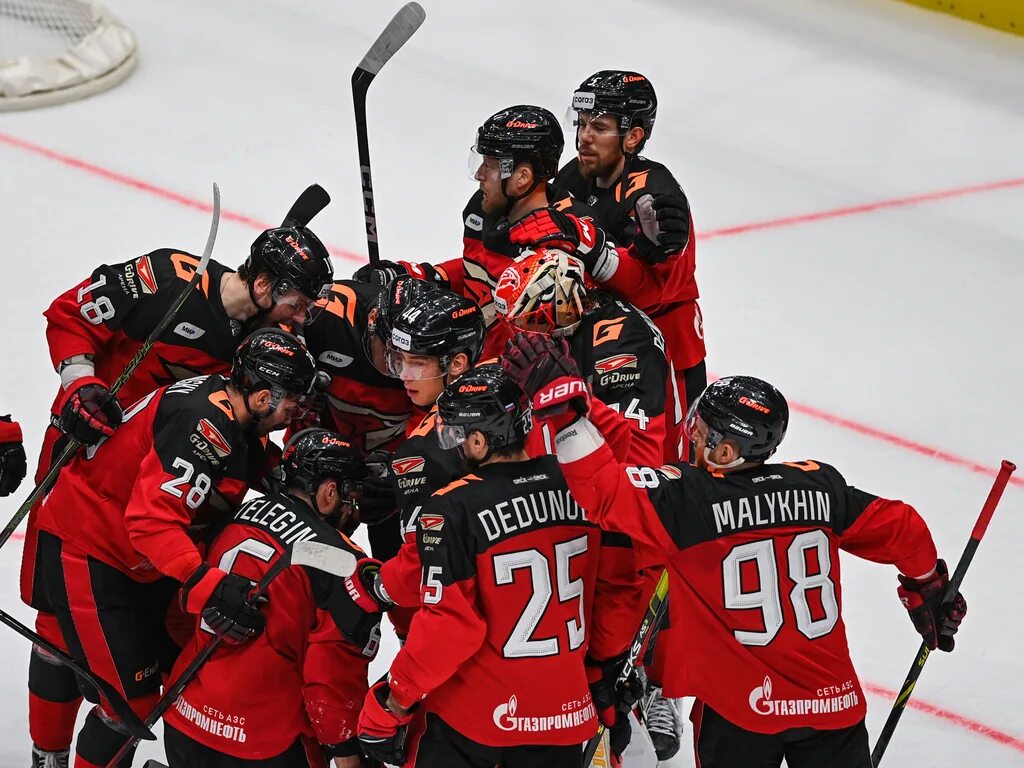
x=594 y=167
x=471 y=465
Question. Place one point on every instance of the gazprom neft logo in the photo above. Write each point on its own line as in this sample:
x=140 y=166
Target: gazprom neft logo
x=573 y=715
x=504 y=714
x=762 y=703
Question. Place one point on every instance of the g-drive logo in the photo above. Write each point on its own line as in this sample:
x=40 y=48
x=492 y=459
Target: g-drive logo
x=830 y=699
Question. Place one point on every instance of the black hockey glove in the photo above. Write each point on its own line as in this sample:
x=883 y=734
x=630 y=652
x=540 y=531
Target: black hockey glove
x=224 y=601
x=934 y=620
x=365 y=589
x=546 y=371
x=13 y=464
x=379 y=498
x=382 y=731
x=663 y=226
x=381 y=273
x=613 y=702
x=86 y=414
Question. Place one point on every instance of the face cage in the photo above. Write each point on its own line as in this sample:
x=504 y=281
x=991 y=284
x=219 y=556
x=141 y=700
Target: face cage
x=541 y=320
x=395 y=364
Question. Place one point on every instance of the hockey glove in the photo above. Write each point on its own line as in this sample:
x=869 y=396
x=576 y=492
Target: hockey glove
x=365 y=589
x=382 y=732
x=13 y=463
x=379 y=498
x=224 y=602
x=934 y=620
x=546 y=371
x=613 y=704
x=663 y=226
x=549 y=227
x=381 y=273
x=87 y=413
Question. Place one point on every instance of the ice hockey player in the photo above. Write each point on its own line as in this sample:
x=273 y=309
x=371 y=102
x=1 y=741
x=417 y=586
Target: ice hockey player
x=514 y=589
x=753 y=555
x=640 y=205
x=432 y=344
x=313 y=657
x=13 y=464
x=513 y=159
x=113 y=544
x=365 y=404
x=96 y=327
x=616 y=346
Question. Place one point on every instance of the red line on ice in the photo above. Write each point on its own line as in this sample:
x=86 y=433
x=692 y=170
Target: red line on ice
x=944 y=714
x=864 y=429
x=152 y=189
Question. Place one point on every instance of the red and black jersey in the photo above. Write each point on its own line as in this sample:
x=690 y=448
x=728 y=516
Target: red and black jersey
x=311 y=662
x=668 y=291
x=515 y=592
x=179 y=458
x=486 y=252
x=754 y=568
x=110 y=313
x=421 y=466
x=367 y=408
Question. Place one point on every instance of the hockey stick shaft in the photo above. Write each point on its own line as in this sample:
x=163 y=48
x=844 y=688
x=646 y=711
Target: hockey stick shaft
x=981 y=525
x=72 y=445
x=314 y=554
x=641 y=642
x=118 y=703
x=396 y=34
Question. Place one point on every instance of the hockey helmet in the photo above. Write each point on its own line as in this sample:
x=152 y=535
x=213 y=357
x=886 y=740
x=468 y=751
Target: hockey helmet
x=750 y=412
x=543 y=291
x=295 y=260
x=483 y=400
x=402 y=292
x=520 y=134
x=273 y=359
x=314 y=455
x=628 y=96
x=440 y=324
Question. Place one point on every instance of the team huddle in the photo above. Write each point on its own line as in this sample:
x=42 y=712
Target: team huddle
x=526 y=433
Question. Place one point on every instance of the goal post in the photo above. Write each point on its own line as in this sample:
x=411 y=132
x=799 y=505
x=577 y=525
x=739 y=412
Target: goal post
x=54 y=51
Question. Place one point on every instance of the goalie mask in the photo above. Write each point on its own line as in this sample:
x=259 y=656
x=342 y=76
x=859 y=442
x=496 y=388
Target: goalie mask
x=542 y=292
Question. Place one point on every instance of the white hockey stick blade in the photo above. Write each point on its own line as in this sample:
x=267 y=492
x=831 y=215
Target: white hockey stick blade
x=640 y=752
x=395 y=35
x=324 y=557
x=212 y=237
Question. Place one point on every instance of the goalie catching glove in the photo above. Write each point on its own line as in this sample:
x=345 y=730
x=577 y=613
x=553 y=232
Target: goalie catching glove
x=546 y=371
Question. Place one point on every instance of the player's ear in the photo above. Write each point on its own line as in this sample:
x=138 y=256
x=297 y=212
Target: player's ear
x=522 y=178
x=260 y=400
x=458 y=366
x=633 y=138
x=261 y=286
x=727 y=451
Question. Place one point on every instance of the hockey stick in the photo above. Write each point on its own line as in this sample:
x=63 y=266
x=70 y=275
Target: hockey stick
x=395 y=35
x=1005 y=470
x=314 y=554
x=313 y=199
x=121 y=707
x=73 y=445
x=641 y=642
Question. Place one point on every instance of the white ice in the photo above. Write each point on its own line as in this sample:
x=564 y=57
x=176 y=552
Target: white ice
x=906 y=319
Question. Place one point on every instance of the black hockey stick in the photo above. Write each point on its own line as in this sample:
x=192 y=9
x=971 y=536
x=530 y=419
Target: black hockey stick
x=1005 y=470
x=395 y=35
x=641 y=642
x=121 y=707
x=73 y=445
x=313 y=199
x=314 y=554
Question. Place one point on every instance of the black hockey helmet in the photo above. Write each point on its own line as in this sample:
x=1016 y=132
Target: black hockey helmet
x=627 y=95
x=485 y=400
x=402 y=292
x=440 y=324
x=750 y=412
x=314 y=455
x=295 y=259
x=273 y=359
x=520 y=134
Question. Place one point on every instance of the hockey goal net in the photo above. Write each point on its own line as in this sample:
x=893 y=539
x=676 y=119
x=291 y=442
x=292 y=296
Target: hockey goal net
x=53 y=51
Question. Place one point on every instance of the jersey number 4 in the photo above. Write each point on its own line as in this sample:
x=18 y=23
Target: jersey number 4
x=521 y=643
x=813 y=596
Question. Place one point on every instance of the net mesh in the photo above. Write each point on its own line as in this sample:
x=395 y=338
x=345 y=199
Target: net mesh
x=57 y=50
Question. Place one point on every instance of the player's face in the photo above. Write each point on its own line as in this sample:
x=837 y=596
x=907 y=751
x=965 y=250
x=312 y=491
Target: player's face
x=291 y=307
x=280 y=416
x=697 y=433
x=421 y=375
x=599 y=141
x=488 y=176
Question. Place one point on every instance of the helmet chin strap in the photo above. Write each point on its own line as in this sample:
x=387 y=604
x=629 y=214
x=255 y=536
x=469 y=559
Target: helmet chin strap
x=713 y=465
x=511 y=200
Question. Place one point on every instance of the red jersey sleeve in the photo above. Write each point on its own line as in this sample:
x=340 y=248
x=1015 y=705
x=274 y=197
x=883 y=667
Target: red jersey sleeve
x=617 y=598
x=335 y=683
x=400 y=576
x=448 y=610
x=891 y=532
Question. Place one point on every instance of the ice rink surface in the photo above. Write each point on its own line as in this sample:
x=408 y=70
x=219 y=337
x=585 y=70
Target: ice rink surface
x=893 y=329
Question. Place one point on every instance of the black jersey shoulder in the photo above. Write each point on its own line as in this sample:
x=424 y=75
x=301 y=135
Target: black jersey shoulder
x=422 y=466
